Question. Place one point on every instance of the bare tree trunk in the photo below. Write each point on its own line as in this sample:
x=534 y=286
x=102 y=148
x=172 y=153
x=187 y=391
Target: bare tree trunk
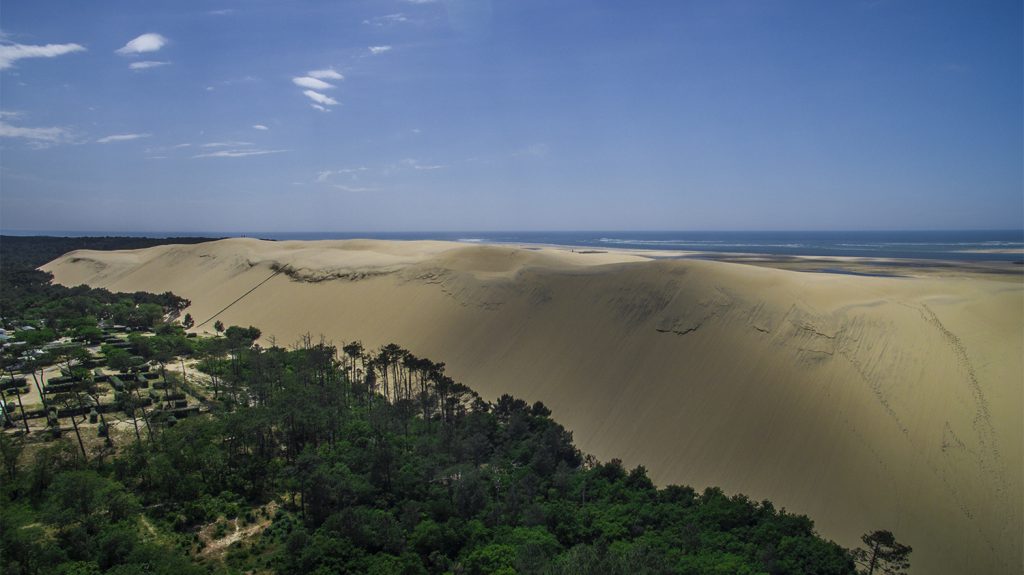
x=214 y=382
x=874 y=559
x=39 y=388
x=135 y=421
x=21 y=406
x=103 y=420
x=145 y=417
x=163 y=375
x=78 y=434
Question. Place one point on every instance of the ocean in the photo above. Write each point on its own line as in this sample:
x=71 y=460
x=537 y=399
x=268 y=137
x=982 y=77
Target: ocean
x=987 y=245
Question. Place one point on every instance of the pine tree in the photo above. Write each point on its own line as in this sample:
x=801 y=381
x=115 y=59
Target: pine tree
x=883 y=554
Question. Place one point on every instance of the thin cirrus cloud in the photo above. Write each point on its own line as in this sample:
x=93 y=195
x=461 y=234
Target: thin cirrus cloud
x=149 y=42
x=259 y=127
x=416 y=165
x=238 y=153
x=322 y=99
x=225 y=144
x=120 y=138
x=147 y=64
x=379 y=49
x=38 y=137
x=11 y=53
x=387 y=20
x=311 y=83
x=323 y=175
x=329 y=73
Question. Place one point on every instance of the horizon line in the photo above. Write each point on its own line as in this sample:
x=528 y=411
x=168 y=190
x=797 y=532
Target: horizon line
x=204 y=233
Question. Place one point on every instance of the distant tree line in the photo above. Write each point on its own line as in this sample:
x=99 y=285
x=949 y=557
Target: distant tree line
x=27 y=294
x=34 y=251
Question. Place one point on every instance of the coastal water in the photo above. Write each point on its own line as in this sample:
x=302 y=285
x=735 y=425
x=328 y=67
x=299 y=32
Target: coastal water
x=999 y=245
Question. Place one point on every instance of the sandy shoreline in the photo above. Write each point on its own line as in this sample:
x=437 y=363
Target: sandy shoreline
x=855 y=265
x=866 y=402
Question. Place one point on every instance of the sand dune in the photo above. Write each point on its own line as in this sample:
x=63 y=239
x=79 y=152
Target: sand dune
x=865 y=402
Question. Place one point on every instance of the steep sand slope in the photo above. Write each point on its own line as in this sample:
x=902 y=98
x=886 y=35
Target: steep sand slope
x=867 y=403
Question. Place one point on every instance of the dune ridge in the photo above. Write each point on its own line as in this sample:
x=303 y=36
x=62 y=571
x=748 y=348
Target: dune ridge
x=865 y=402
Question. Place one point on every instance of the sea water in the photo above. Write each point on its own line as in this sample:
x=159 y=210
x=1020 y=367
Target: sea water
x=986 y=245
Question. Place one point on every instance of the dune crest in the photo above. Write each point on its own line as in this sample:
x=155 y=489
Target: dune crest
x=865 y=402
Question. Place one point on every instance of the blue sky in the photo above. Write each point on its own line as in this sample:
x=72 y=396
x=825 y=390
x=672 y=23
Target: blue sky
x=511 y=115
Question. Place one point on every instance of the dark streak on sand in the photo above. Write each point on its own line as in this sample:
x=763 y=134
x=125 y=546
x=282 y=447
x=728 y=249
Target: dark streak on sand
x=852 y=273
x=867 y=267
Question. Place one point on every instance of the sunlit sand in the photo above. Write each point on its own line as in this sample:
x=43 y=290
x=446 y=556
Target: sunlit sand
x=865 y=402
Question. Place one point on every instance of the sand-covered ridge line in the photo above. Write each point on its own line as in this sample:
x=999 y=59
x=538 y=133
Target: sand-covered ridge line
x=865 y=402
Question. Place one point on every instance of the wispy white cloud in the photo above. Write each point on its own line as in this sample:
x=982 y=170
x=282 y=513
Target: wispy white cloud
x=416 y=165
x=421 y=1
x=38 y=137
x=223 y=12
x=238 y=153
x=352 y=189
x=147 y=64
x=322 y=99
x=259 y=127
x=236 y=81
x=225 y=144
x=379 y=49
x=387 y=19
x=329 y=74
x=324 y=175
x=311 y=83
x=11 y=53
x=149 y=42
x=314 y=83
x=120 y=138
x=179 y=146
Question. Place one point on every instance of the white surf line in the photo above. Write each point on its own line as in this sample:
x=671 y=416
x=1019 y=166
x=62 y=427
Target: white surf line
x=239 y=298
